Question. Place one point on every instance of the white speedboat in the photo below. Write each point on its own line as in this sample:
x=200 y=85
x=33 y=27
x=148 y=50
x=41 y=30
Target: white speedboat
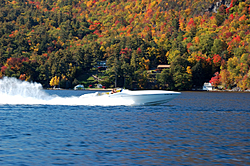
x=143 y=97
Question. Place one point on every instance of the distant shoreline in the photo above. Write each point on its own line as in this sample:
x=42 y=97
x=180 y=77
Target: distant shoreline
x=230 y=91
x=86 y=89
x=109 y=89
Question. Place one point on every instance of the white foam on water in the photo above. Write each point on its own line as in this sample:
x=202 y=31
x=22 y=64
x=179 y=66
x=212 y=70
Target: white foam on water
x=14 y=91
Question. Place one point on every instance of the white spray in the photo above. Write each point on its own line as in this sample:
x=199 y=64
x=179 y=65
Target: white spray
x=14 y=91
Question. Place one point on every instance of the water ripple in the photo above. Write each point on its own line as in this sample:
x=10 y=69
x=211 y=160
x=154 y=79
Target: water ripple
x=194 y=129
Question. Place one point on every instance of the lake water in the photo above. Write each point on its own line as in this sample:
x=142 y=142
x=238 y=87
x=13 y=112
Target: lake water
x=46 y=127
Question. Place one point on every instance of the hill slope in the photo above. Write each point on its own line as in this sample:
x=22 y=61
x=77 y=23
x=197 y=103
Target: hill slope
x=201 y=40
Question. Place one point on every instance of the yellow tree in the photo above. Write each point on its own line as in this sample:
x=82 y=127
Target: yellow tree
x=234 y=70
x=244 y=83
x=54 y=81
x=226 y=82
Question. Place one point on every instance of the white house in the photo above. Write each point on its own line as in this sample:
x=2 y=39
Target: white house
x=207 y=86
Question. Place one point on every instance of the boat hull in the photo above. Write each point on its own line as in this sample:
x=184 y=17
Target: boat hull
x=147 y=97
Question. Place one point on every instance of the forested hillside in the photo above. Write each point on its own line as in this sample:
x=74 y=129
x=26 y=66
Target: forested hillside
x=201 y=40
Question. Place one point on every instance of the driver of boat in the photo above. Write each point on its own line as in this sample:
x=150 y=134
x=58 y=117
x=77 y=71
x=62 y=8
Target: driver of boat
x=113 y=91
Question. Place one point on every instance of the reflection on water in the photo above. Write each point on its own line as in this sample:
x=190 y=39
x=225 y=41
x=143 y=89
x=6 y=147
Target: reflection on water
x=196 y=128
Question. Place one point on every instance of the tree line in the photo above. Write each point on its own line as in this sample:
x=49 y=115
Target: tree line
x=42 y=40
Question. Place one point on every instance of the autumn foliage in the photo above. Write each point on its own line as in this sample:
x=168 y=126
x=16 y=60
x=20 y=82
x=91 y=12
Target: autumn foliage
x=43 y=39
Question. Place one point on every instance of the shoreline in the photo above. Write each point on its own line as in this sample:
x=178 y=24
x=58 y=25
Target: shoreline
x=86 y=89
x=231 y=91
x=110 y=89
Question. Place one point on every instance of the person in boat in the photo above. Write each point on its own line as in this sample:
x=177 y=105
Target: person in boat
x=113 y=91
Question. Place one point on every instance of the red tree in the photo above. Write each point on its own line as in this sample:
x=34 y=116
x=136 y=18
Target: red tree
x=215 y=81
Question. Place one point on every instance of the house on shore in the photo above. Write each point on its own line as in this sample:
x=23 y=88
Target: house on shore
x=207 y=86
x=101 y=65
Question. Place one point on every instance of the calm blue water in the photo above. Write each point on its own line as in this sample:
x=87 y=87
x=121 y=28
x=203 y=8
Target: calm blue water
x=196 y=128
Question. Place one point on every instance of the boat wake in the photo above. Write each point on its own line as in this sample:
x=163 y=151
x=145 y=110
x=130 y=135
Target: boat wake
x=14 y=91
